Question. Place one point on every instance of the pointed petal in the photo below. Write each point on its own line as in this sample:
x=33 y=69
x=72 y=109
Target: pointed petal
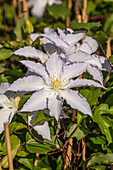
x=36 y=102
x=43 y=130
x=61 y=33
x=34 y=36
x=73 y=38
x=95 y=73
x=30 y=83
x=55 y=106
x=83 y=82
x=79 y=56
x=95 y=61
x=74 y=70
x=56 y=40
x=89 y=45
x=35 y=67
x=54 y=65
x=4 y=116
x=76 y=101
x=27 y=52
x=4 y=87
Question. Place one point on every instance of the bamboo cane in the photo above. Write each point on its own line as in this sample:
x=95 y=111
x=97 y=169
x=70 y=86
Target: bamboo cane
x=25 y=9
x=10 y=161
x=36 y=159
x=0 y=165
x=108 y=53
x=69 y=7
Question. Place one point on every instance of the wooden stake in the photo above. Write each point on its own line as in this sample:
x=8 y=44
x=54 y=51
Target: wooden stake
x=77 y=10
x=69 y=7
x=10 y=161
x=84 y=12
x=36 y=159
x=108 y=54
x=70 y=145
x=83 y=153
x=0 y=165
x=25 y=9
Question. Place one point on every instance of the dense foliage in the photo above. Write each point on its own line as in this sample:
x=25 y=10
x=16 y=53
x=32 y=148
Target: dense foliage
x=39 y=60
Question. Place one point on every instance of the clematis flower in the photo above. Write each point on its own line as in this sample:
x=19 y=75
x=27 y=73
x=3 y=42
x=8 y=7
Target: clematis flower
x=42 y=128
x=53 y=84
x=68 y=42
x=9 y=105
x=39 y=6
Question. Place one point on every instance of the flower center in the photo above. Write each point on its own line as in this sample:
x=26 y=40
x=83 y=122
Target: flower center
x=56 y=84
x=16 y=101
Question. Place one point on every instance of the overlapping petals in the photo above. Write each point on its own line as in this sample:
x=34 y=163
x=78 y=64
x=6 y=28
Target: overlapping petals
x=53 y=86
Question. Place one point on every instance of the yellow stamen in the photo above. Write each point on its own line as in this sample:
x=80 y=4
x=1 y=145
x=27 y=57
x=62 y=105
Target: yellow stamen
x=16 y=101
x=56 y=84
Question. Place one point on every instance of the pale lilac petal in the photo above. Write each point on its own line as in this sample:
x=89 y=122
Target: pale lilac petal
x=76 y=101
x=34 y=36
x=73 y=38
x=74 y=70
x=35 y=67
x=3 y=98
x=79 y=56
x=36 y=102
x=54 y=65
x=96 y=73
x=83 y=82
x=4 y=117
x=95 y=61
x=30 y=83
x=43 y=130
x=4 y=87
x=55 y=106
x=51 y=2
x=27 y=51
x=56 y=40
x=89 y=45
x=61 y=33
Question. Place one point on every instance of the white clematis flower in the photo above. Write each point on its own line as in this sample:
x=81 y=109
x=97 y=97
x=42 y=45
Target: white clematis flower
x=8 y=103
x=68 y=42
x=39 y=6
x=53 y=84
x=42 y=128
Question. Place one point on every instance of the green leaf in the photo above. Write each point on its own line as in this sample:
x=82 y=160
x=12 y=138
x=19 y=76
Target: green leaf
x=5 y=53
x=80 y=132
x=100 y=158
x=22 y=153
x=19 y=27
x=36 y=147
x=111 y=59
x=58 y=11
x=4 y=161
x=109 y=100
x=89 y=25
x=40 y=117
x=91 y=95
x=104 y=124
x=108 y=25
x=15 y=126
x=101 y=36
x=29 y=27
x=98 y=140
x=90 y=7
x=28 y=162
x=15 y=143
x=102 y=109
